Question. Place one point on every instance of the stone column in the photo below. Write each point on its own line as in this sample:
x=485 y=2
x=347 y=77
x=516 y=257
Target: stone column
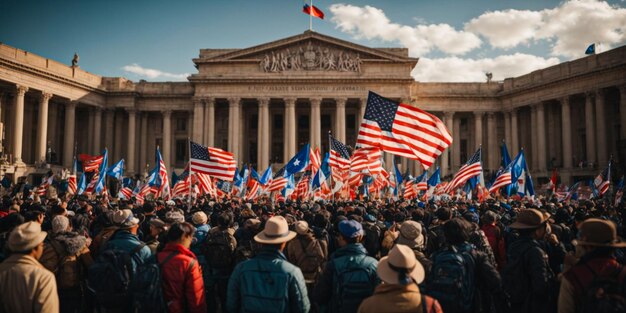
x=130 y=151
x=541 y=137
x=209 y=122
x=109 y=130
x=362 y=107
x=97 y=130
x=601 y=122
x=445 y=156
x=478 y=130
x=143 y=141
x=622 y=111
x=18 y=125
x=167 y=138
x=566 y=132
x=514 y=136
x=456 y=144
x=290 y=128
x=590 y=128
x=120 y=120
x=340 y=119
x=198 y=116
x=68 y=140
x=316 y=127
x=534 y=140
x=263 y=134
x=492 y=142
x=507 y=129
x=234 y=126
x=42 y=128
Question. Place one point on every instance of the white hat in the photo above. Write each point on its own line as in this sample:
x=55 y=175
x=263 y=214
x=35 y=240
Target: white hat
x=26 y=236
x=400 y=267
x=276 y=231
x=199 y=218
x=301 y=227
x=124 y=218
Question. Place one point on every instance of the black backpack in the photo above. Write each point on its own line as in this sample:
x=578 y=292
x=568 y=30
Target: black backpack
x=605 y=294
x=372 y=240
x=219 y=250
x=515 y=279
x=110 y=277
x=245 y=251
x=451 y=279
x=352 y=283
x=146 y=286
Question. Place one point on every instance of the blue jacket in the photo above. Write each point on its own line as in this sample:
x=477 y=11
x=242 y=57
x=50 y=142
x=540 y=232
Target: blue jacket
x=199 y=237
x=125 y=241
x=349 y=267
x=267 y=282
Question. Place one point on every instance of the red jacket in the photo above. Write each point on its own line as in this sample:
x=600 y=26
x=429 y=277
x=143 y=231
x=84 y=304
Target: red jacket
x=496 y=241
x=183 y=287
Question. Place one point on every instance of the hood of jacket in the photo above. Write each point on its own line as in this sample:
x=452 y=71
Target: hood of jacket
x=72 y=242
x=350 y=249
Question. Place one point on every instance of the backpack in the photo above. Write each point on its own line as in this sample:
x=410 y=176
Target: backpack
x=244 y=251
x=110 y=277
x=605 y=294
x=451 y=279
x=515 y=279
x=311 y=266
x=219 y=250
x=372 y=240
x=68 y=270
x=352 y=283
x=146 y=286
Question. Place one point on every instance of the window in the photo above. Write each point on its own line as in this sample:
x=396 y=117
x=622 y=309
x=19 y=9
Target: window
x=181 y=151
x=350 y=121
x=278 y=121
x=181 y=124
x=254 y=122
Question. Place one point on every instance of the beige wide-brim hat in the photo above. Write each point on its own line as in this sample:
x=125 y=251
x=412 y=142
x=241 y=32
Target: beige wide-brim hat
x=400 y=257
x=276 y=231
x=529 y=218
x=26 y=237
x=596 y=232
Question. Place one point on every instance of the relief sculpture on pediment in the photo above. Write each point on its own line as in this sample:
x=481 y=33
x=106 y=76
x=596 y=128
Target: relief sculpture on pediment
x=311 y=58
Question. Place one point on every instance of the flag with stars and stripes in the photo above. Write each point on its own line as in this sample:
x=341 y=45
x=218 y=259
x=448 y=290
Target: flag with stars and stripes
x=603 y=181
x=279 y=182
x=215 y=162
x=339 y=154
x=402 y=129
x=473 y=167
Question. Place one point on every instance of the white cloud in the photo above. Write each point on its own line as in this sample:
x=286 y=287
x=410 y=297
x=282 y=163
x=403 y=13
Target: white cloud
x=454 y=69
x=571 y=26
x=153 y=73
x=372 y=23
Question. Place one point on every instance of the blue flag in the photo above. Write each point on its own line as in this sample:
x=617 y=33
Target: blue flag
x=127 y=182
x=435 y=178
x=254 y=174
x=82 y=184
x=322 y=173
x=116 y=170
x=299 y=162
x=175 y=178
x=591 y=49
x=100 y=184
x=290 y=187
x=506 y=159
x=6 y=182
x=267 y=176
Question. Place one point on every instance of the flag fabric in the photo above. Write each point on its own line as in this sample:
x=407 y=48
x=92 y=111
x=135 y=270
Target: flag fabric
x=116 y=170
x=403 y=130
x=322 y=174
x=279 y=181
x=591 y=49
x=205 y=184
x=619 y=192
x=473 y=167
x=101 y=182
x=505 y=177
x=215 y=162
x=82 y=184
x=289 y=188
x=125 y=193
x=367 y=161
x=506 y=159
x=313 y=11
x=91 y=163
x=315 y=158
x=553 y=180
x=266 y=178
x=398 y=180
x=299 y=161
x=422 y=182
x=71 y=184
x=339 y=154
x=409 y=189
x=603 y=180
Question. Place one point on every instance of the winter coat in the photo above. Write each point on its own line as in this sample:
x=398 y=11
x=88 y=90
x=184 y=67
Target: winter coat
x=199 y=237
x=496 y=241
x=125 y=241
x=267 y=282
x=67 y=256
x=398 y=299
x=183 y=287
x=26 y=286
x=480 y=241
x=302 y=250
x=351 y=253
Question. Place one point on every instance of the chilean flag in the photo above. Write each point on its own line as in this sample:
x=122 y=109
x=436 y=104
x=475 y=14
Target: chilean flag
x=313 y=10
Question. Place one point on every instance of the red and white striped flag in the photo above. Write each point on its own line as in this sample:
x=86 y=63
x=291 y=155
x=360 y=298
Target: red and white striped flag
x=126 y=193
x=473 y=167
x=205 y=184
x=403 y=130
x=91 y=163
x=216 y=162
x=181 y=188
x=315 y=160
x=71 y=184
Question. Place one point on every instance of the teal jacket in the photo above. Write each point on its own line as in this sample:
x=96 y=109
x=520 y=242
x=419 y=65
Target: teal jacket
x=267 y=283
x=125 y=241
x=349 y=277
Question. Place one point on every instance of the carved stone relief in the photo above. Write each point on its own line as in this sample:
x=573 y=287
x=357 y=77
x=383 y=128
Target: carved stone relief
x=311 y=58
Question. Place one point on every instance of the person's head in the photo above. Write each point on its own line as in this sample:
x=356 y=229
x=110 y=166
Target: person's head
x=411 y=235
x=181 y=233
x=27 y=239
x=60 y=224
x=82 y=200
x=124 y=219
x=400 y=267
x=149 y=207
x=531 y=223
x=224 y=220
x=174 y=216
x=157 y=227
x=36 y=213
x=443 y=214
x=350 y=231
x=276 y=233
x=199 y=218
x=457 y=231
x=598 y=235
x=301 y=228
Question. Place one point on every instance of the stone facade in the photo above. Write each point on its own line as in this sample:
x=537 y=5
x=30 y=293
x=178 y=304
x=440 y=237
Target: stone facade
x=264 y=102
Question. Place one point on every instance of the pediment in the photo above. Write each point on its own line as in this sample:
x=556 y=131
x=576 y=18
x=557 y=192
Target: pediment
x=309 y=51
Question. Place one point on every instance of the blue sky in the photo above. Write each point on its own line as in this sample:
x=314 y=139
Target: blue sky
x=455 y=40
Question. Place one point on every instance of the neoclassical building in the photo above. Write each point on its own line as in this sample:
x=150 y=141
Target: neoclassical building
x=264 y=102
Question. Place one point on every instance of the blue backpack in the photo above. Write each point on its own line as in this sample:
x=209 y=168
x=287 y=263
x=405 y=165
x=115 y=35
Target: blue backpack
x=451 y=280
x=352 y=284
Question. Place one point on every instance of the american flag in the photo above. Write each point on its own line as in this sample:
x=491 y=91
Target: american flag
x=181 y=188
x=339 y=154
x=302 y=188
x=91 y=163
x=422 y=182
x=279 y=182
x=253 y=189
x=402 y=129
x=409 y=189
x=315 y=158
x=471 y=168
x=164 y=189
x=205 y=184
x=126 y=193
x=603 y=181
x=366 y=160
x=504 y=179
x=216 y=162
x=71 y=184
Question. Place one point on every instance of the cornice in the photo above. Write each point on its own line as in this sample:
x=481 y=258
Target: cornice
x=303 y=80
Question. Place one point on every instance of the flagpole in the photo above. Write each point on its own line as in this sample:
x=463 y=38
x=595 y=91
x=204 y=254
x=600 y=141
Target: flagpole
x=311 y=17
x=190 y=174
x=332 y=180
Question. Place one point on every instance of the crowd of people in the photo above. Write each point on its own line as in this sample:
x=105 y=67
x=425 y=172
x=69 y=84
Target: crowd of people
x=93 y=254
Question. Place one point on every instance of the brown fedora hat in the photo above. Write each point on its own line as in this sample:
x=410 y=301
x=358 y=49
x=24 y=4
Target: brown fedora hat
x=276 y=231
x=529 y=218
x=596 y=232
x=400 y=258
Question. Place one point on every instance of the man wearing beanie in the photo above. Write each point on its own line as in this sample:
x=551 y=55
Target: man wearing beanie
x=350 y=274
x=26 y=285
